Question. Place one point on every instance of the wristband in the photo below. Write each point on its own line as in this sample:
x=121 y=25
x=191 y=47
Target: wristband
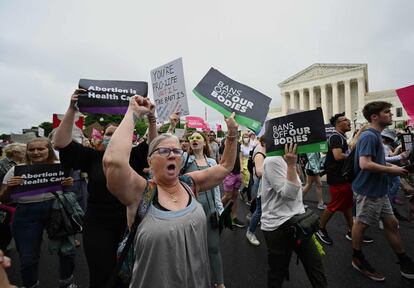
x=152 y=119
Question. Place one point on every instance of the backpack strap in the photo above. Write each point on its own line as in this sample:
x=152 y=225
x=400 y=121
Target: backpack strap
x=188 y=183
x=184 y=168
x=340 y=135
x=142 y=209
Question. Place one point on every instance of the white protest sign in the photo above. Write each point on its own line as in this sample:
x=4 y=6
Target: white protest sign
x=169 y=90
x=22 y=138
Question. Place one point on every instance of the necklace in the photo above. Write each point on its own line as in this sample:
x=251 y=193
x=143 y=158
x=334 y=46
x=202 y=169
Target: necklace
x=173 y=197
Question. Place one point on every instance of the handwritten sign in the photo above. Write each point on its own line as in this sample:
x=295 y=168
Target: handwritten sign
x=168 y=87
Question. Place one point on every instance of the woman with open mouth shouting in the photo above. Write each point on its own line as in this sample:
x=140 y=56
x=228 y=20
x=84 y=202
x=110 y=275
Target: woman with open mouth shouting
x=199 y=158
x=171 y=241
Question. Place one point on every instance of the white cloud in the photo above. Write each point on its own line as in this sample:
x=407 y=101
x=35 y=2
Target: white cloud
x=54 y=44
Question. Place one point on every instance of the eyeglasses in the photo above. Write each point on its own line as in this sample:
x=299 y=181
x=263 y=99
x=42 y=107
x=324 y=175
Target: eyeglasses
x=195 y=137
x=346 y=119
x=212 y=135
x=166 y=152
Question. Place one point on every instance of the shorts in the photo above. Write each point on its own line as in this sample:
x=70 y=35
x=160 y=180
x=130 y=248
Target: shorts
x=341 y=197
x=311 y=173
x=369 y=210
x=232 y=182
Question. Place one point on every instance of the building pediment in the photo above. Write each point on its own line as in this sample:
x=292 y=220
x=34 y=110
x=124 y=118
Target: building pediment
x=320 y=70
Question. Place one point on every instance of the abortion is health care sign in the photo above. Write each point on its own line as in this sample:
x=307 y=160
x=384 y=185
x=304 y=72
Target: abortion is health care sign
x=169 y=90
x=227 y=96
x=38 y=179
x=107 y=96
x=306 y=129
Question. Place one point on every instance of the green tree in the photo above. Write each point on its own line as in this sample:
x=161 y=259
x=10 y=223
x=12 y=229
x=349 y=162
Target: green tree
x=140 y=127
x=47 y=126
x=4 y=137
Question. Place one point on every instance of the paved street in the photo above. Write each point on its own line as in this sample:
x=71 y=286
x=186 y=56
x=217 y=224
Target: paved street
x=245 y=265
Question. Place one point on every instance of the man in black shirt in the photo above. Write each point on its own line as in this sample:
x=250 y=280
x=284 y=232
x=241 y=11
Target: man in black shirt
x=339 y=188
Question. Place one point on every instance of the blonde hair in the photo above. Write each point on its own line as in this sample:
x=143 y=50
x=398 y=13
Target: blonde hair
x=51 y=157
x=9 y=149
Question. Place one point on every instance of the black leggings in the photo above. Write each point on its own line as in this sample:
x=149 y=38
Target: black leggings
x=280 y=245
x=100 y=243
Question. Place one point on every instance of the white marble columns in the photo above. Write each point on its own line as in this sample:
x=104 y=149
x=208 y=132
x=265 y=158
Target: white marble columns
x=324 y=103
x=348 y=105
x=332 y=101
x=335 y=100
x=312 y=104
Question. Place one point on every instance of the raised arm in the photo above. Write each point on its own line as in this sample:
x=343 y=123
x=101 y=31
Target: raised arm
x=63 y=134
x=152 y=125
x=122 y=180
x=213 y=176
x=174 y=120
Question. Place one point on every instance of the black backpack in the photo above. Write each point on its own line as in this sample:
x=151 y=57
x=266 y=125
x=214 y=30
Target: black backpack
x=348 y=171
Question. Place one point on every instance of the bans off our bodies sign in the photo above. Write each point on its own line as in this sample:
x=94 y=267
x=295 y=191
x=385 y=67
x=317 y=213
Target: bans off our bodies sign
x=38 y=179
x=306 y=129
x=227 y=96
x=107 y=96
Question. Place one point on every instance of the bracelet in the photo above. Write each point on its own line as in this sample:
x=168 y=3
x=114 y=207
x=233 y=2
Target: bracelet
x=152 y=119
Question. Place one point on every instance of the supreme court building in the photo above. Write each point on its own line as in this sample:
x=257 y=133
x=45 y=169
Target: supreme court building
x=335 y=88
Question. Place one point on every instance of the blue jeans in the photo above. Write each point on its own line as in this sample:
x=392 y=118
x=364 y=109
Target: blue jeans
x=80 y=188
x=256 y=215
x=28 y=224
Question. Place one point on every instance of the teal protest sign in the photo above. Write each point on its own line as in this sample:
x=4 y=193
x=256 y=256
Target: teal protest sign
x=227 y=96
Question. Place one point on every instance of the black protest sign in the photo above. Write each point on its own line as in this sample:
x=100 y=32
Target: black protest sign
x=227 y=96
x=38 y=179
x=306 y=129
x=109 y=96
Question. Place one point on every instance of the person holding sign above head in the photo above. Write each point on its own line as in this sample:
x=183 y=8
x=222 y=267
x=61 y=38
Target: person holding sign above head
x=281 y=193
x=170 y=245
x=105 y=217
x=31 y=217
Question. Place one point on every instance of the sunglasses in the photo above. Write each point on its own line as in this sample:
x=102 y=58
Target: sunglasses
x=195 y=137
x=166 y=152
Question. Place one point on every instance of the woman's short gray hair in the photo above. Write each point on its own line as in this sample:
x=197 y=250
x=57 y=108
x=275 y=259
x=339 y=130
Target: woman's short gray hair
x=157 y=141
x=9 y=149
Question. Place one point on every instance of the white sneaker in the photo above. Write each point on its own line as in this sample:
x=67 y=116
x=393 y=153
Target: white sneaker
x=252 y=238
x=321 y=206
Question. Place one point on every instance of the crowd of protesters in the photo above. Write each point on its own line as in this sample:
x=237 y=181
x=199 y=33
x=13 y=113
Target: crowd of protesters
x=191 y=181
